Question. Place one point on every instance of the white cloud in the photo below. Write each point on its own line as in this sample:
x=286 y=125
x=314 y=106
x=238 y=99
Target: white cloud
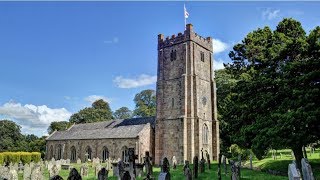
x=93 y=98
x=270 y=14
x=141 y=80
x=219 y=46
x=33 y=118
x=218 y=64
x=114 y=40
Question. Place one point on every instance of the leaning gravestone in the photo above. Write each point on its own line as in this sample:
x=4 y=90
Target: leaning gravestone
x=202 y=163
x=36 y=173
x=306 y=170
x=84 y=170
x=293 y=174
x=26 y=172
x=74 y=175
x=187 y=171
x=103 y=174
x=195 y=166
x=132 y=164
x=165 y=170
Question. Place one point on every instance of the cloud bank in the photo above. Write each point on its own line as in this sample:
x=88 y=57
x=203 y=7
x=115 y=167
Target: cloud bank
x=141 y=80
x=218 y=46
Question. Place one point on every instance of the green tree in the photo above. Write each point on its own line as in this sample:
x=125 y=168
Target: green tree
x=145 y=103
x=10 y=134
x=100 y=111
x=275 y=102
x=58 y=125
x=122 y=113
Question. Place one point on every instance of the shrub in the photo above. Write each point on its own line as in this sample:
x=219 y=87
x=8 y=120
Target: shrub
x=236 y=151
x=16 y=157
x=35 y=156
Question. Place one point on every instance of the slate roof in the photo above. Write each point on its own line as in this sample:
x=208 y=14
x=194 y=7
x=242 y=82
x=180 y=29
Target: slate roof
x=125 y=128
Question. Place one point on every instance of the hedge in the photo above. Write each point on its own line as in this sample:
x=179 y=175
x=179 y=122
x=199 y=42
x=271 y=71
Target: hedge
x=16 y=157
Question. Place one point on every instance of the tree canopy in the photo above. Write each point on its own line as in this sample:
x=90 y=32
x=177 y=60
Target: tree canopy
x=100 y=111
x=58 y=125
x=275 y=101
x=145 y=103
x=122 y=113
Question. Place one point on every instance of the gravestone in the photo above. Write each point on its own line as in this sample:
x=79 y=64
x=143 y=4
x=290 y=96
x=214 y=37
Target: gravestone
x=36 y=173
x=293 y=174
x=174 y=162
x=202 y=163
x=224 y=162
x=13 y=174
x=4 y=172
x=56 y=177
x=126 y=176
x=103 y=174
x=120 y=168
x=78 y=161
x=306 y=170
x=68 y=161
x=84 y=170
x=208 y=160
x=27 y=172
x=234 y=170
x=97 y=169
x=195 y=166
x=53 y=171
x=20 y=166
x=165 y=170
x=148 y=164
x=74 y=175
x=187 y=171
x=132 y=164
x=139 y=170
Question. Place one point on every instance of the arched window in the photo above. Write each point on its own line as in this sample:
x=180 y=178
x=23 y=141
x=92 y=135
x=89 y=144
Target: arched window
x=125 y=156
x=88 y=152
x=105 y=153
x=205 y=132
x=59 y=152
x=73 y=157
x=50 y=152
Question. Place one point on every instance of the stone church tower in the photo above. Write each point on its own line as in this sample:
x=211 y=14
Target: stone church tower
x=186 y=119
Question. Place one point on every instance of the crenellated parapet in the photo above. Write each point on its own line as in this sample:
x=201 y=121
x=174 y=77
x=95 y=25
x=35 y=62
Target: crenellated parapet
x=188 y=35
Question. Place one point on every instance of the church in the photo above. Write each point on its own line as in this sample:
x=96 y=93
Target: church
x=186 y=117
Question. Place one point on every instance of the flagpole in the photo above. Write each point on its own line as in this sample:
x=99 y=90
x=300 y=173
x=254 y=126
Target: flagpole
x=184 y=15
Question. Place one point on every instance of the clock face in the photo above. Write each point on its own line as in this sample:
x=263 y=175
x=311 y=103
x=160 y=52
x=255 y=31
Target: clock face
x=204 y=100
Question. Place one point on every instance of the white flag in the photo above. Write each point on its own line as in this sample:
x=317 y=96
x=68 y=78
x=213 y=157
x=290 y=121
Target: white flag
x=186 y=14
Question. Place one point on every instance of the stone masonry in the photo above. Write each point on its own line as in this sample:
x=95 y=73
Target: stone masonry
x=186 y=100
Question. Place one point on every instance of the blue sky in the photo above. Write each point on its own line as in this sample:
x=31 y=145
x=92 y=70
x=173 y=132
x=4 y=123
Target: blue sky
x=58 y=57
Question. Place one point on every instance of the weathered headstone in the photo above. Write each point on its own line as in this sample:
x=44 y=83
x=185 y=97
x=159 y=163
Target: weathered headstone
x=68 y=161
x=36 y=173
x=132 y=164
x=195 y=166
x=293 y=174
x=13 y=174
x=208 y=160
x=120 y=168
x=103 y=174
x=78 y=161
x=126 y=176
x=234 y=170
x=224 y=162
x=74 y=175
x=202 y=163
x=26 y=172
x=4 y=172
x=148 y=164
x=56 y=177
x=307 y=173
x=54 y=171
x=187 y=171
x=84 y=170
x=165 y=170
x=97 y=169
x=174 y=162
